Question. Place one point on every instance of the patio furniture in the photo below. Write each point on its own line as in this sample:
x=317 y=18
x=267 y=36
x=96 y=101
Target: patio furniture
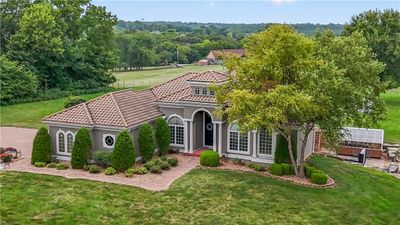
x=394 y=168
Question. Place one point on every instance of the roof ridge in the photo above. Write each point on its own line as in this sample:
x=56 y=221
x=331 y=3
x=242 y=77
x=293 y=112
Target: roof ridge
x=171 y=93
x=175 y=79
x=88 y=113
x=118 y=109
x=65 y=110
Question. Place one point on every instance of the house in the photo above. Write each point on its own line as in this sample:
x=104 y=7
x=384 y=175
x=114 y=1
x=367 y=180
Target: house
x=187 y=104
x=215 y=56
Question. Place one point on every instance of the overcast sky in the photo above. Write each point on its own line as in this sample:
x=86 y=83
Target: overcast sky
x=266 y=11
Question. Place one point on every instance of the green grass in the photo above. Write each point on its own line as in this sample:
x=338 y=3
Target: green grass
x=151 y=77
x=362 y=196
x=391 y=124
x=31 y=114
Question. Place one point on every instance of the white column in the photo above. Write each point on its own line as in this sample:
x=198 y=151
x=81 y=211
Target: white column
x=254 y=132
x=191 y=136
x=185 y=135
x=215 y=137
x=220 y=138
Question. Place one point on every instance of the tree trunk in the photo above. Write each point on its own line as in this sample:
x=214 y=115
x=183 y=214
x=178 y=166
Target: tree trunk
x=307 y=131
x=294 y=161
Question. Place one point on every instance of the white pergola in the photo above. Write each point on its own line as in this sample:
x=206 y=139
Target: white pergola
x=364 y=135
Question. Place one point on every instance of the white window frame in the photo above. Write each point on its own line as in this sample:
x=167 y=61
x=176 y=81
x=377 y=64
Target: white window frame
x=65 y=142
x=273 y=143
x=204 y=91
x=197 y=91
x=183 y=126
x=229 y=150
x=104 y=141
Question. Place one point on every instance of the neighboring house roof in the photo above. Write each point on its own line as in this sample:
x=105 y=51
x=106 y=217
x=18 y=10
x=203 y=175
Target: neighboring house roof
x=117 y=109
x=237 y=51
x=129 y=108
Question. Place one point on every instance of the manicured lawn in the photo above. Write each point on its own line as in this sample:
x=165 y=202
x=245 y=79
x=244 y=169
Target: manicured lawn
x=362 y=196
x=151 y=77
x=391 y=124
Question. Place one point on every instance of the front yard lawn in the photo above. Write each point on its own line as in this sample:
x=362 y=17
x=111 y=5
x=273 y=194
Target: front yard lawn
x=362 y=196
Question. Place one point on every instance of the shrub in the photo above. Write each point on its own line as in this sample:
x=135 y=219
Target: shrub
x=291 y=169
x=318 y=177
x=163 y=158
x=41 y=150
x=252 y=165
x=123 y=156
x=173 y=161
x=40 y=164
x=209 y=158
x=238 y=161
x=61 y=166
x=282 y=152
x=129 y=172
x=162 y=135
x=146 y=142
x=86 y=167
x=73 y=100
x=81 y=148
x=276 y=169
x=258 y=167
x=155 y=169
x=103 y=158
x=141 y=170
x=52 y=165
x=164 y=165
x=150 y=164
x=94 y=169
x=285 y=168
x=308 y=170
x=110 y=171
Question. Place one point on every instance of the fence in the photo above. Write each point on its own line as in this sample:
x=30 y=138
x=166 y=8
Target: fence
x=137 y=84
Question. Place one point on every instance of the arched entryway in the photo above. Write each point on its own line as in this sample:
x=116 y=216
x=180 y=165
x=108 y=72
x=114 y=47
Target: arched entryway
x=203 y=129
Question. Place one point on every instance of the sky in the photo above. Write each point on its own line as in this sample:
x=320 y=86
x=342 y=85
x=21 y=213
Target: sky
x=265 y=11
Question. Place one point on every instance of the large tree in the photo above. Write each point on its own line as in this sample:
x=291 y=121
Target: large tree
x=288 y=81
x=381 y=30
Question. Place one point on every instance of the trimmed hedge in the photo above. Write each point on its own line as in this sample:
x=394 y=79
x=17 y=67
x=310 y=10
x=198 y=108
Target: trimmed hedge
x=308 y=170
x=103 y=158
x=162 y=135
x=282 y=152
x=285 y=169
x=319 y=177
x=209 y=158
x=123 y=156
x=41 y=150
x=81 y=148
x=276 y=169
x=146 y=142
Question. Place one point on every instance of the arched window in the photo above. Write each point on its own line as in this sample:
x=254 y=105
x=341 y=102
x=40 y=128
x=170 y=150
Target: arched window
x=265 y=142
x=61 y=141
x=70 y=142
x=238 y=141
x=176 y=130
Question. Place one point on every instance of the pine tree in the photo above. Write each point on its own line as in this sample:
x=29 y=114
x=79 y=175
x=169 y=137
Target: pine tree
x=81 y=148
x=41 y=150
x=146 y=141
x=162 y=134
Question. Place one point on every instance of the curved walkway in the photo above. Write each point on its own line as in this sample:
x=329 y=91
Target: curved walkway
x=22 y=139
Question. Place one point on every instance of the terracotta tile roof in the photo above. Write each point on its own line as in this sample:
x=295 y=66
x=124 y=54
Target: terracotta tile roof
x=117 y=109
x=209 y=76
x=172 y=86
x=199 y=98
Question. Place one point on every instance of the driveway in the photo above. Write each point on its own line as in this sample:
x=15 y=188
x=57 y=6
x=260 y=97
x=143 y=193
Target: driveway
x=22 y=138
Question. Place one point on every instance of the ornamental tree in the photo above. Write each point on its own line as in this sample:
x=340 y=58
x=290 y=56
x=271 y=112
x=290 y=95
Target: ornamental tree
x=288 y=81
x=162 y=134
x=146 y=141
x=81 y=148
x=123 y=156
x=41 y=150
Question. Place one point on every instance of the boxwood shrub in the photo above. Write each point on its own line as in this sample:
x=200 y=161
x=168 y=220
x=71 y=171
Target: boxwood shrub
x=285 y=169
x=209 y=158
x=319 y=177
x=308 y=170
x=94 y=169
x=103 y=158
x=276 y=169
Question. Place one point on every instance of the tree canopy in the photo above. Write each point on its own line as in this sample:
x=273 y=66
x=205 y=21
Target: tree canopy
x=289 y=81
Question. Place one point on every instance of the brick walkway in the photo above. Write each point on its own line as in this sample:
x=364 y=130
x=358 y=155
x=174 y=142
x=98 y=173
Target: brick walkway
x=22 y=138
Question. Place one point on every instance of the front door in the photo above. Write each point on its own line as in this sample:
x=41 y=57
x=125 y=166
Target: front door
x=208 y=130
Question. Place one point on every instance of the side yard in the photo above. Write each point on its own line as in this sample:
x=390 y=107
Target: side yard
x=205 y=196
x=391 y=124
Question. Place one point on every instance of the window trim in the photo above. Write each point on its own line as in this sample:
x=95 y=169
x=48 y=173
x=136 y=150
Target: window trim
x=197 y=91
x=104 y=141
x=273 y=135
x=204 y=91
x=239 y=133
x=65 y=142
x=175 y=126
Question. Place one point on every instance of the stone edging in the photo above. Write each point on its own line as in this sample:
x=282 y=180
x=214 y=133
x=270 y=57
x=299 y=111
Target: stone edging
x=330 y=184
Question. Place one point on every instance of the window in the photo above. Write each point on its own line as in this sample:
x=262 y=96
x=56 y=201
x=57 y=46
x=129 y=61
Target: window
x=204 y=91
x=108 y=140
x=238 y=141
x=64 y=142
x=176 y=129
x=61 y=141
x=265 y=142
x=70 y=142
x=197 y=91
x=212 y=92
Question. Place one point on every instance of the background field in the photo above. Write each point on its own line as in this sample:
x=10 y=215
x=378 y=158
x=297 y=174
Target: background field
x=391 y=124
x=152 y=76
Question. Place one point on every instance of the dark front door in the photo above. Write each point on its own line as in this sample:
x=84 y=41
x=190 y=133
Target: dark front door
x=208 y=130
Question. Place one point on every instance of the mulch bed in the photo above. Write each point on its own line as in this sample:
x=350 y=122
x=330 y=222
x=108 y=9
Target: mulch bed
x=229 y=165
